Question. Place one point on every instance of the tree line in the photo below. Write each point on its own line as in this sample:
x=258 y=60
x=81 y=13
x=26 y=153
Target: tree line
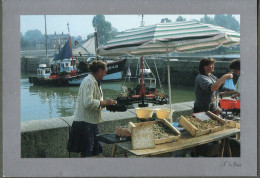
x=226 y=21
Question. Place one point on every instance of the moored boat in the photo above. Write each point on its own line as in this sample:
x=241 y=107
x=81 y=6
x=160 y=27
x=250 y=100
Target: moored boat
x=146 y=90
x=114 y=73
x=67 y=70
x=64 y=76
x=45 y=77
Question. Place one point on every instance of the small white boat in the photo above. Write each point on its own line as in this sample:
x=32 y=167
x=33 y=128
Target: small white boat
x=43 y=71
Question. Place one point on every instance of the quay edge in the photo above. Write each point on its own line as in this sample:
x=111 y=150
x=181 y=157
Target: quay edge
x=48 y=138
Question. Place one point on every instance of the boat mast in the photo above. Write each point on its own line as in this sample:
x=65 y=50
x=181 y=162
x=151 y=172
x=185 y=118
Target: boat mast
x=142 y=87
x=142 y=22
x=96 y=38
x=71 y=49
x=46 y=45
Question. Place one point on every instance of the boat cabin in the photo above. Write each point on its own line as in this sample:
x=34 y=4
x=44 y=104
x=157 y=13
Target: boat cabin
x=149 y=79
x=148 y=82
x=43 y=71
x=65 y=65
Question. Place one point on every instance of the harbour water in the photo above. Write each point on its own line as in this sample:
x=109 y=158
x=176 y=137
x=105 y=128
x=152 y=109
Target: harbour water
x=42 y=102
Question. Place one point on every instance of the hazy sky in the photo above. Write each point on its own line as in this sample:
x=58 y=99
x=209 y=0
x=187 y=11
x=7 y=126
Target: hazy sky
x=82 y=24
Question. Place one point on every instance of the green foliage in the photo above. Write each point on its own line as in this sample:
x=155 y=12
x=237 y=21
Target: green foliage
x=28 y=40
x=208 y=20
x=165 y=19
x=103 y=28
x=113 y=32
x=180 y=18
x=23 y=42
x=227 y=21
x=89 y=36
x=33 y=35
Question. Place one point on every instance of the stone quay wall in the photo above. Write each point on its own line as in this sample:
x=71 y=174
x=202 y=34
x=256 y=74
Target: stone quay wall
x=183 y=71
x=30 y=64
x=48 y=138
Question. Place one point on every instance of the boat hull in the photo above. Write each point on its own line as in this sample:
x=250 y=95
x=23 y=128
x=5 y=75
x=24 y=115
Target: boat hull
x=48 y=81
x=113 y=77
x=76 y=80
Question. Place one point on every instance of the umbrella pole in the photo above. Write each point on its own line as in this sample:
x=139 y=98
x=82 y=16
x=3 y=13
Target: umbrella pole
x=169 y=83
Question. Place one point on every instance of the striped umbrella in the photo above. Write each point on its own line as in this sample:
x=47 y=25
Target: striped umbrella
x=186 y=36
x=163 y=38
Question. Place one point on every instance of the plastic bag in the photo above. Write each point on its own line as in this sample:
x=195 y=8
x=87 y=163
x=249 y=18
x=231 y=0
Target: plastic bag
x=229 y=84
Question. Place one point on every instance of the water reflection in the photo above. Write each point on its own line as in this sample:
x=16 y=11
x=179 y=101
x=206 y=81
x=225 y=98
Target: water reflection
x=38 y=102
x=42 y=102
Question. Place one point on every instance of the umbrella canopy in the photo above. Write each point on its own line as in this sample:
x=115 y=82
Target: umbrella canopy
x=163 y=38
x=185 y=36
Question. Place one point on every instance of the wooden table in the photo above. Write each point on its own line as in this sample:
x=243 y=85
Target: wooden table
x=186 y=141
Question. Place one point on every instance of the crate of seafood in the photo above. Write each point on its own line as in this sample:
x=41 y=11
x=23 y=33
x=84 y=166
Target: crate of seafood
x=197 y=127
x=163 y=131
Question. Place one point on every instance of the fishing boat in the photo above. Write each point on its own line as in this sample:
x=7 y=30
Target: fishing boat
x=61 y=73
x=66 y=70
x=114 y=72
x=44 y=77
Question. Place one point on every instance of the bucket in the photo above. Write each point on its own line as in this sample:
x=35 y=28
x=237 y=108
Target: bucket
x=144 y=113
x=163 y=113
x=237 y=104
x=227 y=103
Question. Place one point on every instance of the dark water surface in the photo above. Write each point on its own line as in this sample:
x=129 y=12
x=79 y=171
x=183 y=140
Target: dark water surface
x=41 y=102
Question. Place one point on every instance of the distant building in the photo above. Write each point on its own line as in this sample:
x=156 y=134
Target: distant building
x=57 y=41
x=54 y=41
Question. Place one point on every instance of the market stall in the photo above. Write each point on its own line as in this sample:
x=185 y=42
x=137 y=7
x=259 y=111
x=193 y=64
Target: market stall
x=164 y=38
x=186 y=141
x=156 y=137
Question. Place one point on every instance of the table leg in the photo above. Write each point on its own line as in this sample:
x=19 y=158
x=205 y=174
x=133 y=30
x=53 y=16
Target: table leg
x=223 y=147
x=229 y=153
x=113 y=150
x=238 y=136
x=226 y=150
